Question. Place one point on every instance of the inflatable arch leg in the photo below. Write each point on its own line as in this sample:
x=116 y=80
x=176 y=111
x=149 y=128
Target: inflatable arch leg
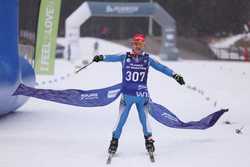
x=13 y=68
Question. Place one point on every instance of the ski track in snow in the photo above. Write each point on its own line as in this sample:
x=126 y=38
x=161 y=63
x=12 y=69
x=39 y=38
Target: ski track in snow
x=46 y=134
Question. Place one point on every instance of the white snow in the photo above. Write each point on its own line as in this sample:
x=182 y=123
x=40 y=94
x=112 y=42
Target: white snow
x=47 y=134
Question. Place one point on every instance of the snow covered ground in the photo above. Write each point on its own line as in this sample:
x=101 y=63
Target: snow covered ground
x=47 y=134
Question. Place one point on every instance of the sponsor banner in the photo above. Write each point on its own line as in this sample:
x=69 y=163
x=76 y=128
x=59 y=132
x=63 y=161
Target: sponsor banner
x=167 y=118
x=105 y=96
x=113 y=93
x=46 y=36
x=121 y=9
x=81 y=98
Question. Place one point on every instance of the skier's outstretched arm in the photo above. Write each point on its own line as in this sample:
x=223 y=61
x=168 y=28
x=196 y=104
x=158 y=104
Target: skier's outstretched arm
x=108 y=58
x=167 y=71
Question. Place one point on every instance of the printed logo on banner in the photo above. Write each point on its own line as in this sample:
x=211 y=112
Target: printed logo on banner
x=113 y=93
x=89 y=96
x=122 y=9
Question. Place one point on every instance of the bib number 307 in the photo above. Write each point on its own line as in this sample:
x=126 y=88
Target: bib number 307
x=135 y=76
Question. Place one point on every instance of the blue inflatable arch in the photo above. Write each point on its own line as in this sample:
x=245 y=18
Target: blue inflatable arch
x=13 y=68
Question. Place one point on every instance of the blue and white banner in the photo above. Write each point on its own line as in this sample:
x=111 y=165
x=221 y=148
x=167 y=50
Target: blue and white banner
x=164 y=116
x=105 y=96
x=82 y=98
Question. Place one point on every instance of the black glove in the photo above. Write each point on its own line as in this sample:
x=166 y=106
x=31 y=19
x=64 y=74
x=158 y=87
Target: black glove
x=179 y=79
x=98 y=58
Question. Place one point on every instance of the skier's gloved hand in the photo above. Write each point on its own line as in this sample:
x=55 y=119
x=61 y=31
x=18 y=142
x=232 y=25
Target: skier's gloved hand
x=98 y=58
x=179 y=79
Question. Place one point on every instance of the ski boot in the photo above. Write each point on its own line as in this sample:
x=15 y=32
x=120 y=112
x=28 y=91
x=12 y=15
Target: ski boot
x=149 y=144
x=112 y=149
x=113 y=146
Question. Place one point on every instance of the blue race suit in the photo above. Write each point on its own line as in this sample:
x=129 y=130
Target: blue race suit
x=134 y=88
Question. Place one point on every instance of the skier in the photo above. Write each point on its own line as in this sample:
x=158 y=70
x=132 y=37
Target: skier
x=135 y=65
x=133 y=88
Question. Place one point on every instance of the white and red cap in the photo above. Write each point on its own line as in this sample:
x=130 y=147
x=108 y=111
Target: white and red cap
x=138 y=38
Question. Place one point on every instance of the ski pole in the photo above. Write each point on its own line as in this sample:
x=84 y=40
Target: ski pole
x=83 y=67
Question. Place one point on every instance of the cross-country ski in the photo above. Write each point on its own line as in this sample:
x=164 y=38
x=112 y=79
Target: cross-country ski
x=110 y=156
